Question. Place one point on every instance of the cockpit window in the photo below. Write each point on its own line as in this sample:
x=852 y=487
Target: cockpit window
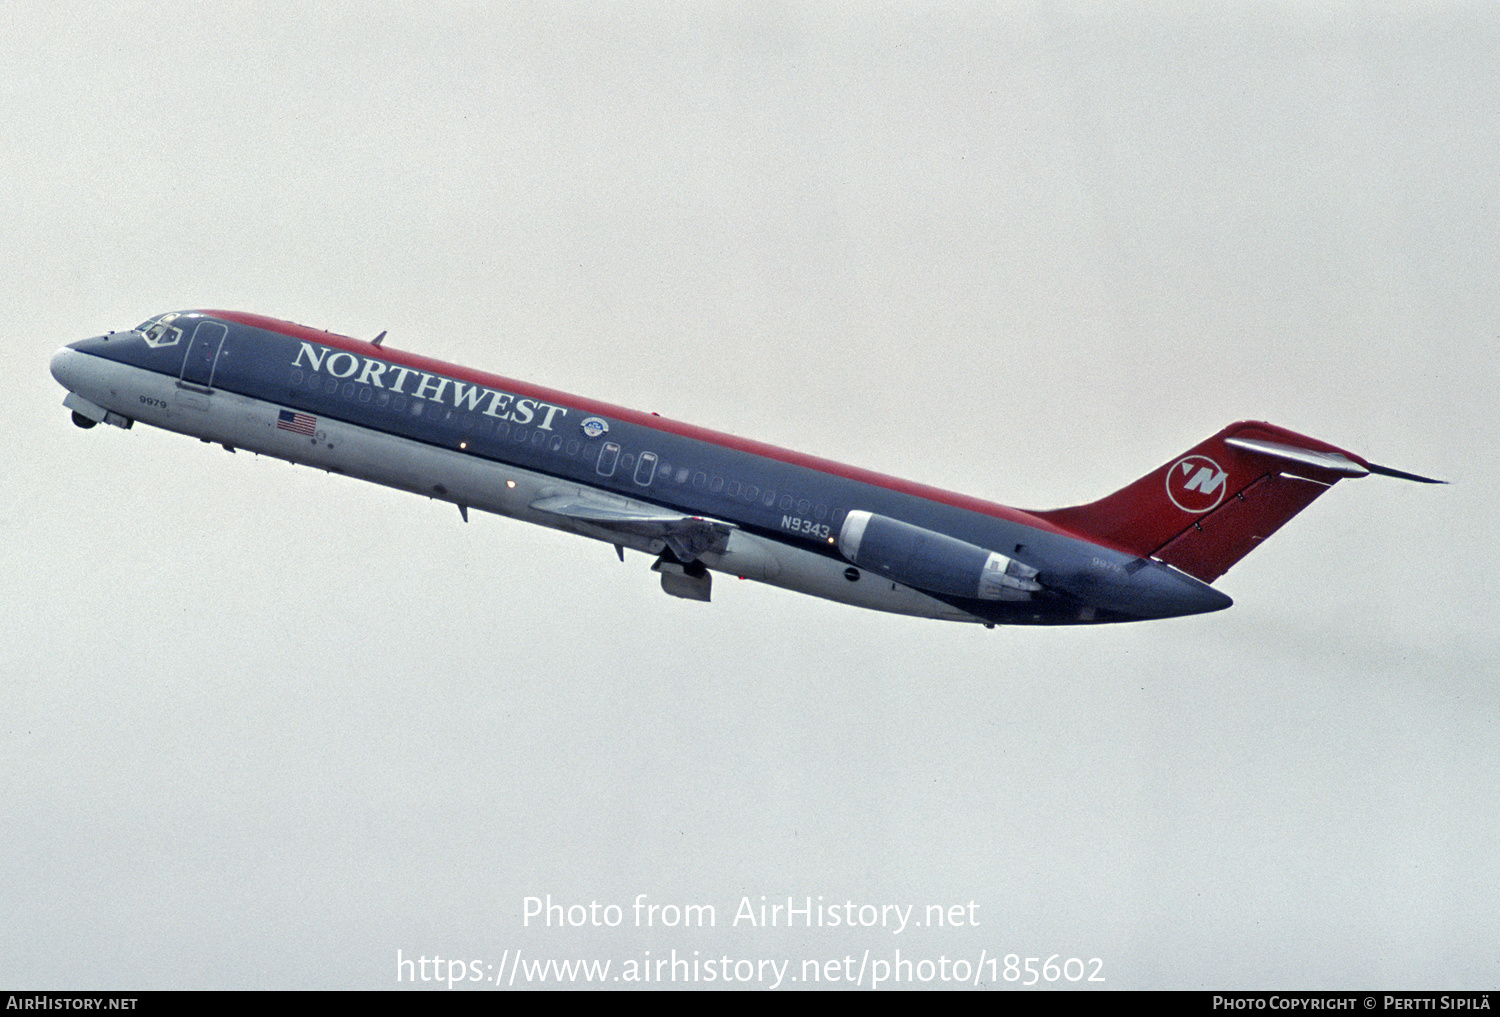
x=159 y=332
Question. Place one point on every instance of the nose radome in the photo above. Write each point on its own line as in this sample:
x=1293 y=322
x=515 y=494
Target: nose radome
x=62 y=366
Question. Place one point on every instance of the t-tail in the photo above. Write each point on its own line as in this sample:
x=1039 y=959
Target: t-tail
x=1211 y=506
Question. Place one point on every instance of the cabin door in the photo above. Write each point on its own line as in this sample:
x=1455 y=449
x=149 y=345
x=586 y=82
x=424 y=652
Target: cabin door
x=203 y=352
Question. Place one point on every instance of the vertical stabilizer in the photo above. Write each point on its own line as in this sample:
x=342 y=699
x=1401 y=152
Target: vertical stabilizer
x=1212 y=505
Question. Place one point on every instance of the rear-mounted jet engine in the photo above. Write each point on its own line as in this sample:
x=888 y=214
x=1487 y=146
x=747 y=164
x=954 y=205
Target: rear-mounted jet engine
x=933 y=562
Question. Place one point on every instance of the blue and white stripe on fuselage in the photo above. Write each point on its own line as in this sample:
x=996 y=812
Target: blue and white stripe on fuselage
x=245 y=422
x=504 y=446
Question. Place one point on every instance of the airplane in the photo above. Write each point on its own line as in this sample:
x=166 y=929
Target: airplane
x=697 y=500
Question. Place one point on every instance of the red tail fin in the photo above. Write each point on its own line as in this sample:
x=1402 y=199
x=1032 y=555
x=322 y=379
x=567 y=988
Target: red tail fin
x=1211 y=506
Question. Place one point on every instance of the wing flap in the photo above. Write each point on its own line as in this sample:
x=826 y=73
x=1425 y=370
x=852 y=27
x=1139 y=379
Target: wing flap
x=687 y=536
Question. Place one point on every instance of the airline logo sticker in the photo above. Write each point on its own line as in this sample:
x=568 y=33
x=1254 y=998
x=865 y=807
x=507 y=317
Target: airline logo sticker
x=1196 y=484
x=593 y=427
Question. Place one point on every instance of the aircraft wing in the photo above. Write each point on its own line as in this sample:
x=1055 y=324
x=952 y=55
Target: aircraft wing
x=687 y=536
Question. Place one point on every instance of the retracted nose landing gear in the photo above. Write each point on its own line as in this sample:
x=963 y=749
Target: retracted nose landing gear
x=87 y=414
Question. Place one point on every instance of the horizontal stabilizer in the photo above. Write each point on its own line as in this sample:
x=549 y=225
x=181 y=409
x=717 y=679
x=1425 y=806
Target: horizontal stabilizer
x=1334 y=461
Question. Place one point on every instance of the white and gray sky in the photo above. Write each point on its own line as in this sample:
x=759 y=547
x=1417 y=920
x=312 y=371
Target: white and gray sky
x=265 y=727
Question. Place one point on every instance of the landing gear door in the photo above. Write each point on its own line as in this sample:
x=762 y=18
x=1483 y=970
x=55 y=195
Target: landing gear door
x=202 y=353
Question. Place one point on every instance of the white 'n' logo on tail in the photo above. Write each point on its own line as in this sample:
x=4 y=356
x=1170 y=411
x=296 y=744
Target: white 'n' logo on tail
x=1205 y=480
x=1196 y=484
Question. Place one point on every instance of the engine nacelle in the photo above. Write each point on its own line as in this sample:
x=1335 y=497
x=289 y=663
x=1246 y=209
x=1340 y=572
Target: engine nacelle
x=932 y=562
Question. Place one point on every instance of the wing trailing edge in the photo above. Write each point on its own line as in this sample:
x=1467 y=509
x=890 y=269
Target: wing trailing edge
x=687 y=536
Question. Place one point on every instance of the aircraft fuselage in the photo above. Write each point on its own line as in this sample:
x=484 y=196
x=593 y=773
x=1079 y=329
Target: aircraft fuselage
x=697 y=498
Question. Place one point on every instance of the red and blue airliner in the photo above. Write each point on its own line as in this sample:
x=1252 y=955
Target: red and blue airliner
x=699 y=501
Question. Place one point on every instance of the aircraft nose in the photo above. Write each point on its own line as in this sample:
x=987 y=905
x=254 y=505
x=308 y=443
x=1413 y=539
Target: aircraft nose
x=70 y=363
x=62 y=366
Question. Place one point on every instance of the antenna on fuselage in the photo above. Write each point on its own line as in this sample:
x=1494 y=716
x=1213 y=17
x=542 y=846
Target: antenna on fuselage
x=378 y=339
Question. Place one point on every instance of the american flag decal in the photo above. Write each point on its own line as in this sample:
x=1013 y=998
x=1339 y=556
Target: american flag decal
x=298 y=423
